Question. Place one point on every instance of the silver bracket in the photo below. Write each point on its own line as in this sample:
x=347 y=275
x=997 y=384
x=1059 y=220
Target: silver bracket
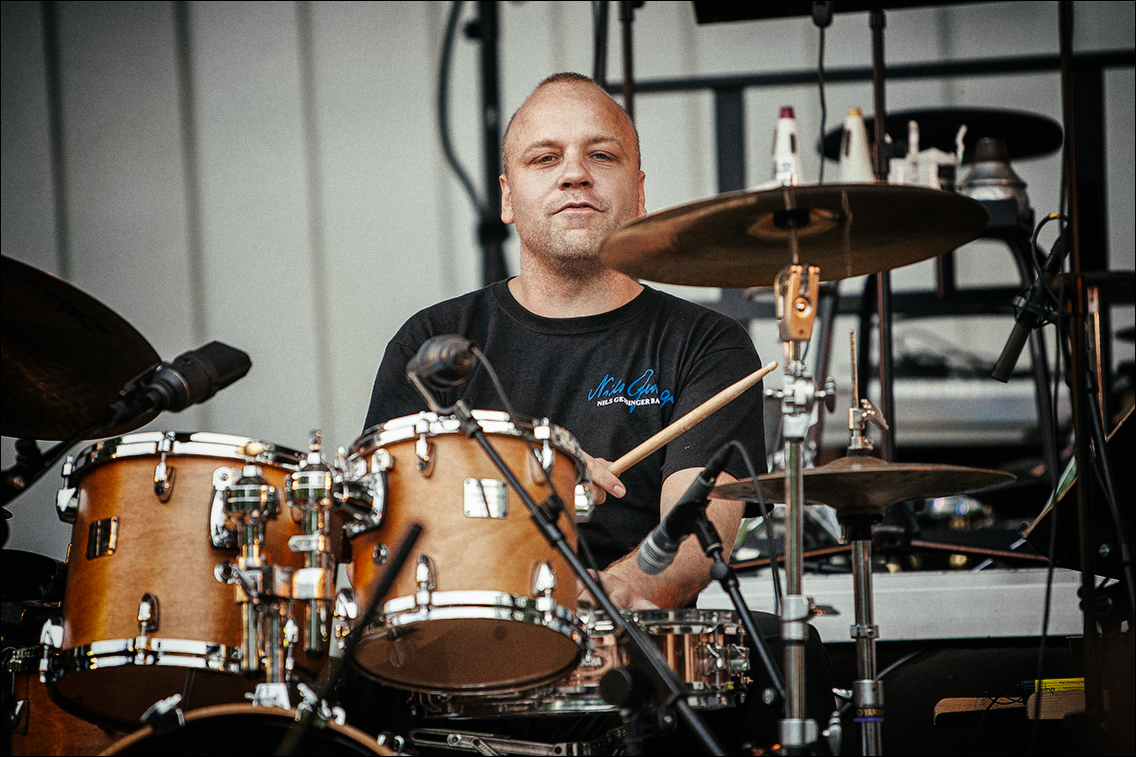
x=220 y=536
x=794 y=617
x=102 y=537
x=485 y=498
x=865 y=632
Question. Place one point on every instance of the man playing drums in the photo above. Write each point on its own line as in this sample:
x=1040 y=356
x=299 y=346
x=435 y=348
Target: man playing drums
x=590 y=348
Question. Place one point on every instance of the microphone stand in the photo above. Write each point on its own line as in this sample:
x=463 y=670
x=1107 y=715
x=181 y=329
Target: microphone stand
x=646 y=658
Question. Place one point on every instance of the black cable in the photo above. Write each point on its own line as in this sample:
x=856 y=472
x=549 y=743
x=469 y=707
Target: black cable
x=444 y=109
x=773 y=556
x=993 y=701
x=823 y=106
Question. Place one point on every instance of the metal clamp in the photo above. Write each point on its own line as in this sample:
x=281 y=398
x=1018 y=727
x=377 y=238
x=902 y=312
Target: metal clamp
x=858 y=631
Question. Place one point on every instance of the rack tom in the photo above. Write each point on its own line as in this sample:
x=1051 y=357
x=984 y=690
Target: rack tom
x=484 y=603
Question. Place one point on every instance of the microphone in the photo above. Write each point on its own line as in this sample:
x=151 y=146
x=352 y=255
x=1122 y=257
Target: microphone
x=190 y=379
x=658 y=550
x=1032 y=313
x=443 y=362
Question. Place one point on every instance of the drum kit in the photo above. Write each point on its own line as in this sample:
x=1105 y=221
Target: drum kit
x=202 y=567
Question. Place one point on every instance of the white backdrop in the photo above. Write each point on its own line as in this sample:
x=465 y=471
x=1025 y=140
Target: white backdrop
x=299 y=208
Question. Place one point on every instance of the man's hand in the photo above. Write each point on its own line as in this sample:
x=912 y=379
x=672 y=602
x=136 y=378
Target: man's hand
x=620 y=592
x=603 y=480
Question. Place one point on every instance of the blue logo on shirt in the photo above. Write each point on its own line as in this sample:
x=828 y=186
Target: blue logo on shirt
x=641 y=391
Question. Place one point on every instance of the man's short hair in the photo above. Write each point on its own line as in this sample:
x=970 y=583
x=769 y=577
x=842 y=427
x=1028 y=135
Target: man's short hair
x=568 y=77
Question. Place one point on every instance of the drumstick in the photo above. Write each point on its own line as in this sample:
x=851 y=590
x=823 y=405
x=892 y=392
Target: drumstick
x=695 y=416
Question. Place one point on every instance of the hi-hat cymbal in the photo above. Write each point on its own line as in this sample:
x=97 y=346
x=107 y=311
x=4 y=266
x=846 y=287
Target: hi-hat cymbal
x=867 y=484
x=1026 y=135
x=734 y=240
x=65 y=356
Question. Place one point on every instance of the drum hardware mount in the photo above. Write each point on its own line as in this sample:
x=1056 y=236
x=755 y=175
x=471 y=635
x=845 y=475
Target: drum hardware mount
x=165 y=715
x=644 y=655
x=102 y=537
x=164 y=475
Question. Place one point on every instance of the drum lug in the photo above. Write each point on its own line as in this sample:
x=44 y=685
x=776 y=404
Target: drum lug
x=51 y=635
x=148 y=615
x=542 y=430
x=221 y=536
x=164 y=476
x=19 y=715
x=67 y=504
x=544 y=579
x=424 y=453
x=585 y=503
x=427 y=579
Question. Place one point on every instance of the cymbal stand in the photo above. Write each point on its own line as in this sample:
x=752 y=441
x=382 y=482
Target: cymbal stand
x=796 y=291
x=867 y=690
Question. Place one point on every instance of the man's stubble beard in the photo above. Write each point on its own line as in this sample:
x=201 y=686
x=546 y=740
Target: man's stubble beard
x=579 y=260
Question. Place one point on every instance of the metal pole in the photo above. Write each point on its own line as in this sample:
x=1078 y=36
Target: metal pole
x=867 y=691
x=491 y=232
x=626 y=17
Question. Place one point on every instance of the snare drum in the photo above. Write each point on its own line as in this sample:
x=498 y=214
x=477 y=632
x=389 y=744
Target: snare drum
x=484 y=602
x=37 y=724
x=705 y=647
x=248 y=730
x=145 y=614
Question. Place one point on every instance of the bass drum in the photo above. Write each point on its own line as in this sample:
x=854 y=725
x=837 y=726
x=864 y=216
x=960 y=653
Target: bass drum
x=245 y=730
x=149 y=534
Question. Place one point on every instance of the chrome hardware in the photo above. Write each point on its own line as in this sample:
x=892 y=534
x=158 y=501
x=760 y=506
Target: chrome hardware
x=165 y=714
x=102 y=537
x=382 y=461
x=424 y=574
x=737 y=659
x=391 y=741
x=148 y=614
x=319 y=706
x=346 y=610
x=251 y=498
x=486 y=498
x=51 y=635
x=164 y=476
x=19 y=715
x=308 y=543
x=67 y=504
x=311 y=583
x=542 y=430
x=858 y=631
x=271 y=695
x=365 y=496
x=544 y=579
x=585 y=503
x=424 y=454
x=221 y=536
x=380 y=553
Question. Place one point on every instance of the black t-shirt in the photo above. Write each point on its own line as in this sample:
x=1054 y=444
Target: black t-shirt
x=612 y=380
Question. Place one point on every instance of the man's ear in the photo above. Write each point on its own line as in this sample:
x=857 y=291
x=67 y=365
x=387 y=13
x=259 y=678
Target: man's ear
x=506 y=200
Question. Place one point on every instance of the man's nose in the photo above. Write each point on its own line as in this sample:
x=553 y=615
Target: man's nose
x=575 y=172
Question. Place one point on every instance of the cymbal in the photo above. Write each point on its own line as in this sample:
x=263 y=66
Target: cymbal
x=733 y=240
x=867 y=484
x=1027 y=135
x=65 y=356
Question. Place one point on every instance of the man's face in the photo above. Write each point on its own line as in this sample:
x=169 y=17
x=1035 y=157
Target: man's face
x=572 y=175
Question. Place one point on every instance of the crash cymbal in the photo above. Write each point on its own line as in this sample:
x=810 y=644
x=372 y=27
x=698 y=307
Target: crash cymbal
x=867 y=484
x=735 y=240
x=65 y=356
x=1027 y=135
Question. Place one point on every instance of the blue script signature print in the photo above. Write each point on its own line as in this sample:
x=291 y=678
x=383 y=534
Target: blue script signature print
x=641 y=391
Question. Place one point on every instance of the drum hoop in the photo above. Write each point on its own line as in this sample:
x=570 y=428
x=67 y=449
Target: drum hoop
x=665 y=622
x=495 y=422
x=146 y=652
x=184 y=444
x=552 y=701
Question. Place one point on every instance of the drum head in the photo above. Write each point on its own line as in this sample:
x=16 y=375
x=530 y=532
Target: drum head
x=245 y=730
x=468 y=654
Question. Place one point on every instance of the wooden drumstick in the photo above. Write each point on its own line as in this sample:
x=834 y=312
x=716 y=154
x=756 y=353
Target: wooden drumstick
x=695 y=416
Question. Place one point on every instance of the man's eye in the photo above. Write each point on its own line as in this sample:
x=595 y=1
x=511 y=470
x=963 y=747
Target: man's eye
x=545 y=159
x=603 y=156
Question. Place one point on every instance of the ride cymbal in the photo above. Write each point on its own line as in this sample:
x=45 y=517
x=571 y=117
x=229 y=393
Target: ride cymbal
x=738 y=239
x=867 y=484
x=65 y=356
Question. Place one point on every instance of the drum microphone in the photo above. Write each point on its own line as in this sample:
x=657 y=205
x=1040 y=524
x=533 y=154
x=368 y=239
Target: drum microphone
x=443 y=362
x=658 y=550
x=190 y=379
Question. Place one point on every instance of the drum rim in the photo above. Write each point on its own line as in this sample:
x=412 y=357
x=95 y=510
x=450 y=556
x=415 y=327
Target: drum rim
x=237 y=709
x=182 y=444
x=408 y=427
x=690 y=620
x=155 y=651
x=589 y=703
